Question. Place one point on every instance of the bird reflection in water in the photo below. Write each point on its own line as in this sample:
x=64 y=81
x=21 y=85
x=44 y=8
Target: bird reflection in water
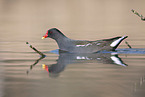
x=68 y=58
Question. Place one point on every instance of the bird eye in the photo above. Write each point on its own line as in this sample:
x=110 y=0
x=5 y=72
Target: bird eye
x=50 y=32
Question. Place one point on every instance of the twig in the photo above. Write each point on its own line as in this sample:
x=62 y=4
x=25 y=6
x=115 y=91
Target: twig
x=40 y=53
x=43 y=55
x=37 y=61
x=141 y=16
x=128 y=44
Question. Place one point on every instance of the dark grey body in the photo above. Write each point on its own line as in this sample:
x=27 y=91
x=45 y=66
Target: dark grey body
x=83 y=46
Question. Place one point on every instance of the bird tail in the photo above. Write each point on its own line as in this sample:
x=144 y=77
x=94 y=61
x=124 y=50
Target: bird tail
x=116 y=43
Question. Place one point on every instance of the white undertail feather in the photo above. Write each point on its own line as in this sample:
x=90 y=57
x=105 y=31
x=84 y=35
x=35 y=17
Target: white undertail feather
x=117 y=61
x=114 y=43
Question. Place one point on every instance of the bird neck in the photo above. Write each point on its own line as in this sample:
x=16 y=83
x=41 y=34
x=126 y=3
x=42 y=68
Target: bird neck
x=63 y=42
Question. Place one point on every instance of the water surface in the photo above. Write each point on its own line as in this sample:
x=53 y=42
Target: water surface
x=23 y=73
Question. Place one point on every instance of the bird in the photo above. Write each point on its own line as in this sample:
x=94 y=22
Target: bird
x=66 y=44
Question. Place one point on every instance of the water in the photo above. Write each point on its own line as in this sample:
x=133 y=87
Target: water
x=23 y=73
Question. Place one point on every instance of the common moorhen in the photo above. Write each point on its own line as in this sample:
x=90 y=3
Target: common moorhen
x=82 y=46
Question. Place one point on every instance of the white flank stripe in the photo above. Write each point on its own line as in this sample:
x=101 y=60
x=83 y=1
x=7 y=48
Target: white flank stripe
x=80 y=45
x=83 y=45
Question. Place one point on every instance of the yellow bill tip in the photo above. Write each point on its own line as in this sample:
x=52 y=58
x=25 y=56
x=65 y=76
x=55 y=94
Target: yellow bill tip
x=43 y=38
x=43 y=66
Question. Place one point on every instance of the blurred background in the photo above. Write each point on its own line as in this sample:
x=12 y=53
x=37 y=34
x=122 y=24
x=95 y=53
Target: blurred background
x=23 y=20
x=28 y=20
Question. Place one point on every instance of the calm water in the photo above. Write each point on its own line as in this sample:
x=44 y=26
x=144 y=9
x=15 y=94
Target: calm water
x=23 y=73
